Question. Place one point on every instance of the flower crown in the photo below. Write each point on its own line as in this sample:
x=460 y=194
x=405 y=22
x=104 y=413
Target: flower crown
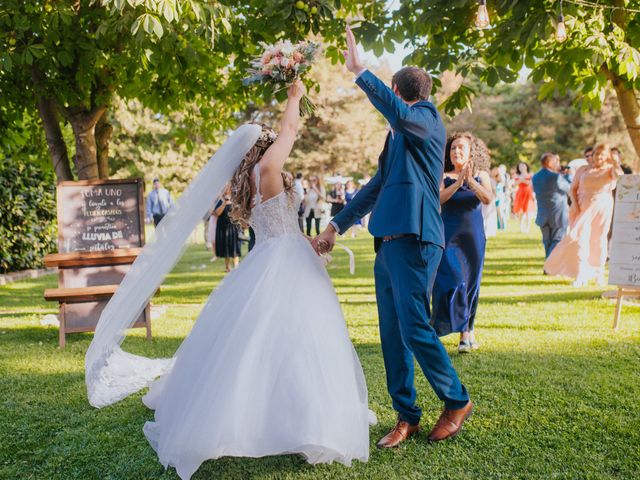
x=266 y=138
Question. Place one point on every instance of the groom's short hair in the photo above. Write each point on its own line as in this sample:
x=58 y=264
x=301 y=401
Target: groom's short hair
x=413 y=83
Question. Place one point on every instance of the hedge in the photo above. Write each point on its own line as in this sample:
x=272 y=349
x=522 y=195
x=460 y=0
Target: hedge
x=27 y=215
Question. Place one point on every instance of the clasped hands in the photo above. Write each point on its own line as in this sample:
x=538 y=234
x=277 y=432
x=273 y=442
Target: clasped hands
x=466 y=174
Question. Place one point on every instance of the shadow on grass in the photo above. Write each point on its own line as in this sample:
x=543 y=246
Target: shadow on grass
x=514 y=392
x=507 y=299
x=561 y=297
x=513 y=263
x=493 y=281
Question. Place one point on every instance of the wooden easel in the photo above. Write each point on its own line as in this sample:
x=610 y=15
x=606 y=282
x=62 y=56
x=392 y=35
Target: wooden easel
x=623 y=292
x=624 y=253
x=81 y=303
x=88 y=279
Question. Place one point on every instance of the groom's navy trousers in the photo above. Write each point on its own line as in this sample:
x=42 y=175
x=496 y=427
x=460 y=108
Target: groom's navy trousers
x=405 y=269
x=404 y=200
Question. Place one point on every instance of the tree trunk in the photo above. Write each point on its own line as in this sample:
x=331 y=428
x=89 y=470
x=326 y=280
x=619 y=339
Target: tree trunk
x=55 y=141
x=47 y=108
x=627 y=96
x=83 y=124
x=103 y=135
x=630 y=109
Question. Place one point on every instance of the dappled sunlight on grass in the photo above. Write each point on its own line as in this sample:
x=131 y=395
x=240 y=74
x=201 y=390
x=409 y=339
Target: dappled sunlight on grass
x=555 y=388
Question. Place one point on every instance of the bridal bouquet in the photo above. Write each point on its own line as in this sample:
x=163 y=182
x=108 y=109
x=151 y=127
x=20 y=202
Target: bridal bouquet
x=281 y=64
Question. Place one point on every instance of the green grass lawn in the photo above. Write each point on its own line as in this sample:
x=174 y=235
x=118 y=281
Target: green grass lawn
x=556 y=390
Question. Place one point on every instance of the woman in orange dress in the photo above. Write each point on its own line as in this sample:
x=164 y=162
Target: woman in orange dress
x=524 y=202
x=582 y=253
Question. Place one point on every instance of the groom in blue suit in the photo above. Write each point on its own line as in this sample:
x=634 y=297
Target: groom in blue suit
x=551 y=188
x=404 y=200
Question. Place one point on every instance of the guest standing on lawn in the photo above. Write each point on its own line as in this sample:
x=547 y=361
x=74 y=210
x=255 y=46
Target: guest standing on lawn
x=464 y=189
x=582 y=253
x=211 y=231
x=227 y=233
x=158 y=202
x=500 y=191
x=524 y=202
x=337 y=199
x=314 y=203
x=552 y=189
x=349 y=194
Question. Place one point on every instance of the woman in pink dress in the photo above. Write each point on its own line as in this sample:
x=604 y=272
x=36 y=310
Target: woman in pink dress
x=524 y=203
x=582 y=253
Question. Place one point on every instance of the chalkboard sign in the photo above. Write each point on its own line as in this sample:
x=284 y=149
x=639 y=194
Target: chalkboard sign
x=100 y=215
x=624 y=265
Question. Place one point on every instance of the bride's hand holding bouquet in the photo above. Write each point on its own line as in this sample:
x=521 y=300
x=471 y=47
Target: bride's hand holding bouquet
x=297 y=90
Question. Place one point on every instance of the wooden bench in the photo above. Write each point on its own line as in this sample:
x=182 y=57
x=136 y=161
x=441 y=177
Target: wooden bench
x=86 y=283
x=82 y=294
x=121 y=256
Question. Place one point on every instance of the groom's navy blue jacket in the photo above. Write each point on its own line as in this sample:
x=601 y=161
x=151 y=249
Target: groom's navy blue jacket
x=404 y=195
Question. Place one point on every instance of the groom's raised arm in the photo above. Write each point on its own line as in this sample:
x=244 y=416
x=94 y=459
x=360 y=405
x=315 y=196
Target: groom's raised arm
x=416 y=122
x=361 y=204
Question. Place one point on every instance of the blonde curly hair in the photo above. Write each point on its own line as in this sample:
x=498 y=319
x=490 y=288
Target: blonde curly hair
x=242 y=188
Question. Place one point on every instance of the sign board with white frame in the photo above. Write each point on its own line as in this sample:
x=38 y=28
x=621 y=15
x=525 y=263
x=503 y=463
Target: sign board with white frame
x=624 y=262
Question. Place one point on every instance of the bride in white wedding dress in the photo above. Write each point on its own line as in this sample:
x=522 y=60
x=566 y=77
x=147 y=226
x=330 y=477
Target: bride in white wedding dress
x=268 y=368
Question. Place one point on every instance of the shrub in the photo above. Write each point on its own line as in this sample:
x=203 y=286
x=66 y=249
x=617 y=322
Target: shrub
x=27 y=215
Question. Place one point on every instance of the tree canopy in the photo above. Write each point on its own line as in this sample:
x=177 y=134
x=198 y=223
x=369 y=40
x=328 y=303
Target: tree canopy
x=70 y=58
x=67 y=60
x=518 y=127
x=599 y=52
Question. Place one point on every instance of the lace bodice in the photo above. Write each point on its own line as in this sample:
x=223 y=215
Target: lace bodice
x=274 y=217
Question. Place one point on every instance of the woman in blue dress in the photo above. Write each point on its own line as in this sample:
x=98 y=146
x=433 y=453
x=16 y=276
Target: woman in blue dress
x=466 y=185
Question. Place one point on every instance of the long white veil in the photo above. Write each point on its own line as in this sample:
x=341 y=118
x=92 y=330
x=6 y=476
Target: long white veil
x=112 y=374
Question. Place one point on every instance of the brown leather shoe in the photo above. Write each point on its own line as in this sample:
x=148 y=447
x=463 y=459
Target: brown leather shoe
x=397 y=435
x=450 y=423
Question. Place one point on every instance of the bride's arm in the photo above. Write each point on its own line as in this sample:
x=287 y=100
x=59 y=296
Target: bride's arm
x=273 y=160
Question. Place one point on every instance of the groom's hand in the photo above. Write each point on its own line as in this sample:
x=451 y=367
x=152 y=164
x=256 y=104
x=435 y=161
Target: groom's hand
x=324 y=242
x=352 y=59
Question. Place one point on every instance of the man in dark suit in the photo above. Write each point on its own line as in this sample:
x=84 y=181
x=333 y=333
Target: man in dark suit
x=404 y=200
x=551 y=188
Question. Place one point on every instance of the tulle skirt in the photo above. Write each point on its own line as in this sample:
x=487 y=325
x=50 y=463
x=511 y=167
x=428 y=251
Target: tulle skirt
x=268 y=369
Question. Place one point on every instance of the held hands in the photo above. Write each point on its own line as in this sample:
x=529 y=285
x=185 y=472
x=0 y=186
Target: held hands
x=324 y=242
x=351 y=57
